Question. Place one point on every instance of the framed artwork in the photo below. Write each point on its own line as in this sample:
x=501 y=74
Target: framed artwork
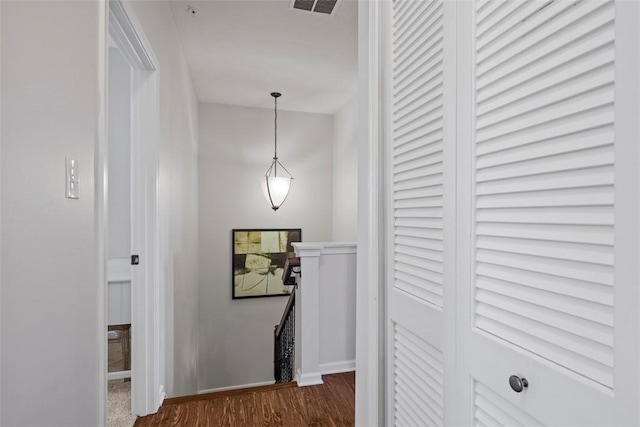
x=259 y=256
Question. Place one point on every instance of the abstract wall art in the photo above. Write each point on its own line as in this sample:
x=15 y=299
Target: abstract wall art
x=259 y=256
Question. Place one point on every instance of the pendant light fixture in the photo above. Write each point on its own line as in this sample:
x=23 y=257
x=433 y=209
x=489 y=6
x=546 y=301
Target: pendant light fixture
x=276 y=187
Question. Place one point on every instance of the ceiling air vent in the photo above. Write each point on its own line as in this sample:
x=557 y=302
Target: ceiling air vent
x=326 y=7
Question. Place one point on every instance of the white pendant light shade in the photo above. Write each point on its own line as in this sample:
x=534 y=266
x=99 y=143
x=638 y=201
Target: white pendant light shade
x=274 y=187
x=276 y=190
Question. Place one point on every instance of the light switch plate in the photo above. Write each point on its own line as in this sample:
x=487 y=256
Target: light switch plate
x=72 y=181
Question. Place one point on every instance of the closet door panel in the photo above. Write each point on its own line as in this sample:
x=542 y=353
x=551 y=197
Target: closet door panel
x=420 y=163
x=539 y=216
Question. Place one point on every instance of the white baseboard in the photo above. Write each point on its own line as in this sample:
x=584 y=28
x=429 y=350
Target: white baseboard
x=302 y=380
x=236 y=387
x=313 y=378
x=337 y=367
x=118 y=375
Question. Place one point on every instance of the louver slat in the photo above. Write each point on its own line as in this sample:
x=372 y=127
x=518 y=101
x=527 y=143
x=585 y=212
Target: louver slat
x=572 y=143
x=486 y=9
x=591 y=311
x=558 y=17
x=417 y=154
x=499 y=15
x=566 y=110
x=516 y=12
x=492 y=410
x=421 y=38
x=553 y=97
x=544 y=187
x=579 y=178
x=583 y=292
x=556 y=55
x=418 y=380
x=499 y=96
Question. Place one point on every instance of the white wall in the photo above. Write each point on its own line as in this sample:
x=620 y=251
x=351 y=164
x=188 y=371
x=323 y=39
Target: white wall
x=49 y=302
x=119 y=245
x=337 y=310
x=178 y=194
x=345 y=173
x=236 y=147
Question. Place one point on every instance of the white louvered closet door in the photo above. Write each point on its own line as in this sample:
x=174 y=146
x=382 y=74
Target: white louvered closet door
x=548 y=212
x=420 y=189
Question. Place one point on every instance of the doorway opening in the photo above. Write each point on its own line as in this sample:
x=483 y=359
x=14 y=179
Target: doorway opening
x=119 y=242
x=126 y=190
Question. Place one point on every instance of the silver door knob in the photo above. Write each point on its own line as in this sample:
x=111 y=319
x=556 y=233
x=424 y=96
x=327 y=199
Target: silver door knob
x=518 y=384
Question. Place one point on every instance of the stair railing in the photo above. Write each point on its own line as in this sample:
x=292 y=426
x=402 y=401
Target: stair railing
x=284 y=343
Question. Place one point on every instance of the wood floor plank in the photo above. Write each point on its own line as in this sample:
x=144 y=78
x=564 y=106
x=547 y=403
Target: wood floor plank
x=208 y=396
x=331 y=404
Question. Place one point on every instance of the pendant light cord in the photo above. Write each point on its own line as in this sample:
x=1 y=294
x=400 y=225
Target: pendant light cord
x=273 y=169
x=275 y=127
x=275 y=138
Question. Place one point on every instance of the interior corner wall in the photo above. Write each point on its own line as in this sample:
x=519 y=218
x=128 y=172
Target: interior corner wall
x=177 y=196
x=119 y=147
x=345 y=173
x=50 y=109
x=236 y=147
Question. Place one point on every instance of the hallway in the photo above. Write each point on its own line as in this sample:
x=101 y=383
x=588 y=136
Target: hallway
x=329 y=404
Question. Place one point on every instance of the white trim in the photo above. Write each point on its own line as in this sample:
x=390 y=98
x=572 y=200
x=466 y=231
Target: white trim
x=464 y=219
x=145 y=339
x=337 y=367
x=626 y=213
x=125 y=36
x=119 y=270
x=307 y=314
x=236 y=387
x=307 y=249
x=304 y=250
x=312 y=378
x=637 y=195
x=450 y=210
x=1 y=214
x=162 y=395
x=147 y=372
x=386 y=77
x=369 y=333
x=118 y=375
x=339 y=250
x=101 y=208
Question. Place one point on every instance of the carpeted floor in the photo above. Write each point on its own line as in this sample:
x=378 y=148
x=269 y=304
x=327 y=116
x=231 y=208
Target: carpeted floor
x=119 y=404
x=119 y=391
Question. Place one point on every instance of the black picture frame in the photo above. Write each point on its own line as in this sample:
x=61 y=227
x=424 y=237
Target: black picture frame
x=258 y=260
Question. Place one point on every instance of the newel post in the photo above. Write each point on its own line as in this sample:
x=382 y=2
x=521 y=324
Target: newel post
x=308 y=315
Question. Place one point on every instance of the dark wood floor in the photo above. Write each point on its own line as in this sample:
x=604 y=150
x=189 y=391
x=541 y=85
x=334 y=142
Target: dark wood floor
x=329 y=404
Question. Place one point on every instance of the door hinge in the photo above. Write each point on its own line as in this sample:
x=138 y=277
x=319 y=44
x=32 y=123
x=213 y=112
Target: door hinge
x=135 y=259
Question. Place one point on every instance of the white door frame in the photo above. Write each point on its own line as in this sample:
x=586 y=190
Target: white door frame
x=147 y=298
x=370 y=296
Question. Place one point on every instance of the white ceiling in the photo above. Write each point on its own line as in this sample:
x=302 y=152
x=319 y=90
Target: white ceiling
x=239 y=51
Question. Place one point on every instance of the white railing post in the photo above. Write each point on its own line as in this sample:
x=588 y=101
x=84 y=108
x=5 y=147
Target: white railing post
x=308 y=315
x=325 y=310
